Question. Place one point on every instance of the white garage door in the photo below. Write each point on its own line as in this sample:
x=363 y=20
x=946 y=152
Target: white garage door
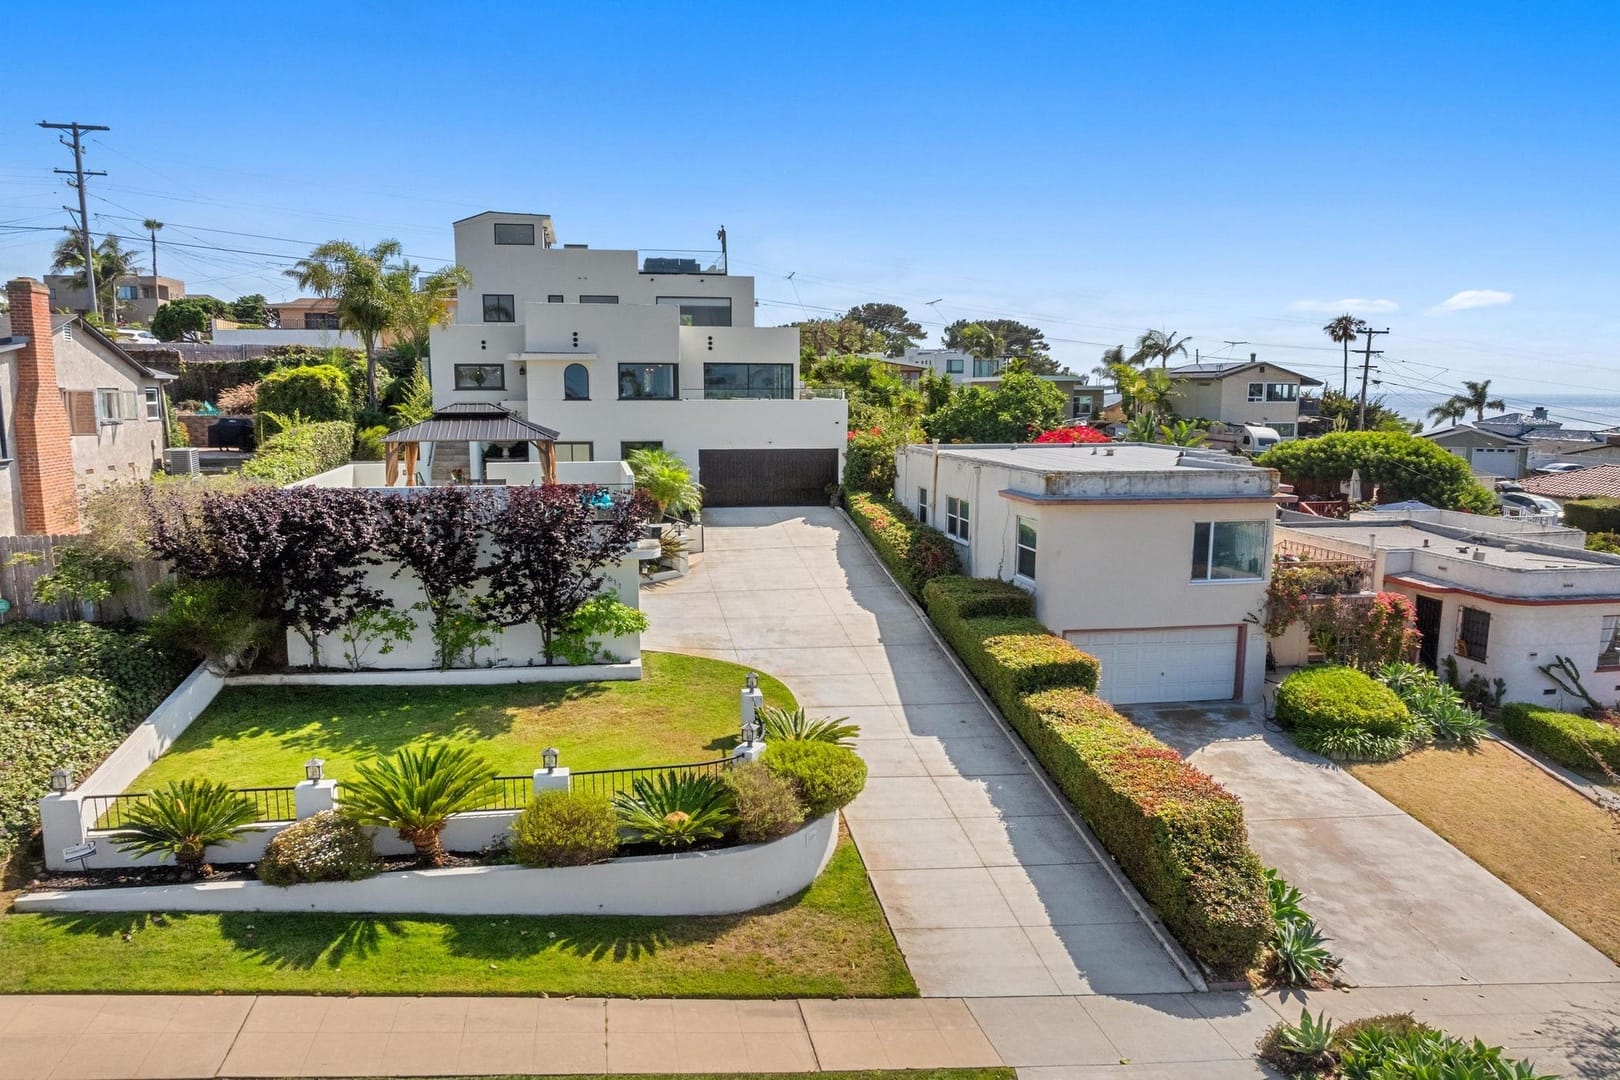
x=1163 y=665
x=1495 y=460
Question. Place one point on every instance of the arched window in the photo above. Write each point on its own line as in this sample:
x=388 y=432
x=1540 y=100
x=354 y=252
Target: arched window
x=576 y=383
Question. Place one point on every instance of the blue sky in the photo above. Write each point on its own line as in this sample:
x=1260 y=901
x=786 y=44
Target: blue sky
x=1232 y=172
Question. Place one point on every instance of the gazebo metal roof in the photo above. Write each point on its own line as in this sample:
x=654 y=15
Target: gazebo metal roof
x=473 y=422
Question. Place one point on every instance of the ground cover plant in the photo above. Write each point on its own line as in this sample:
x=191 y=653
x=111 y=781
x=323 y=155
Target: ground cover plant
x=69 y=692
x=1393 y=1046
x=683 y=709
x=1558 y=849
x=829 y=941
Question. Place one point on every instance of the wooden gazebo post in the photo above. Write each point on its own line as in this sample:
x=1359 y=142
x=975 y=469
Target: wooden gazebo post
x=411 y=450
x=548 y=459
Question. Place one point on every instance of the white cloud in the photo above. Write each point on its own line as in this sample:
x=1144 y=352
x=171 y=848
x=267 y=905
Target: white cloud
x=1355 y=305
x=1472 y=298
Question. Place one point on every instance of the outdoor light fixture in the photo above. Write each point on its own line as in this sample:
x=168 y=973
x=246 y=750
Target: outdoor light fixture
x=750 y=732
x=752 y=682
x=549 y=757
x=61 y=780
x=314 y=768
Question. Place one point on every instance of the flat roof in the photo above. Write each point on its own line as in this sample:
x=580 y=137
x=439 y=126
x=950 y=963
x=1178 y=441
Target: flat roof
x=1098 y=457
x=1407 y=536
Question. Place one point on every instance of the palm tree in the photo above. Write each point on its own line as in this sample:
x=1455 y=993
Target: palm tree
x=416 y=791
x=1344 y=330
x=184 y=820
x=419 y=307
x=152 y=225
x=1449 y=411
x=981 y=343
x=113 y=261
x=1478 y=399
x=666 y=480
x=1142 y=391
x=358 y=280
x=1159 y=345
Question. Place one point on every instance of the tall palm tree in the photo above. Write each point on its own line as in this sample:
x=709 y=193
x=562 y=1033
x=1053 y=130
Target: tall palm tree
x=358 y=280
x=113 y=261
x=420 y=306
x=1344 y=330
x=152 y=225
x=1478 y=398
x=1449 y=411
x=1159 y=345
x=1142 y=391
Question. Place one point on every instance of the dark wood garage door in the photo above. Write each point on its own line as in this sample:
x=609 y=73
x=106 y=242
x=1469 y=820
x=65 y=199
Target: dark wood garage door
x=767 y=477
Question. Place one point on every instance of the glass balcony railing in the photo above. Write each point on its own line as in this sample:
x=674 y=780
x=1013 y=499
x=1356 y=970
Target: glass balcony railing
x=742 y=393
x=683 y=262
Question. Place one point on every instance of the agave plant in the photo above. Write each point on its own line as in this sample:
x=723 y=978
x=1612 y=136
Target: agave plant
x=1300 y=953
x=792 y=725
x=1311 y=1037
x=183 y=820
x=1403 y=678
x=416 y=791
x=676 y=809
x=1286 y=901
x=1454 y=722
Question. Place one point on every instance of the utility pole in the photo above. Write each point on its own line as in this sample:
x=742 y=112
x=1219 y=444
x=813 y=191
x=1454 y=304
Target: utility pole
x=1366 y=366
x=78 y=174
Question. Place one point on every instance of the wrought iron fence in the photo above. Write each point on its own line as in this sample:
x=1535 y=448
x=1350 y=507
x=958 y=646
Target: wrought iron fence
x=612 y=781
x=508 y=793
x=269 y=804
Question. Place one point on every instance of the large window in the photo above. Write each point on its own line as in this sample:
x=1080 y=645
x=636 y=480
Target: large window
x=1229 y=550
x=953 y=365
x=1474 y=636
x=1608 y=645
x=573 y=451
x=576 y=383
x=500 y=307
x=1026 y=548
x=956 y=519
x=701 y=310
x=747 y=380
x=646 y=382
x=129 y=292
x=1276 y=391
x=480 y=376
x=154 y=404
x=922 y=505
x=320 y=320
x=511 y=232
x=116 y=406
x=598 y=299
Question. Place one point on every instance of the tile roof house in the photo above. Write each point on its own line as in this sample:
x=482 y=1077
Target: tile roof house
x=1600 y=481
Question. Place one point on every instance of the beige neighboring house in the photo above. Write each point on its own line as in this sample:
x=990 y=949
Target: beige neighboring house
x=1606 y=453
x=1487 y=452
x=139 y=295
x=1239 y=392
x=76 y=412
x=306 y=320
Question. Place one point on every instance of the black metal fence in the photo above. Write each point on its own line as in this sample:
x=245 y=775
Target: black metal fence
x=269 y=804
x=612 y=781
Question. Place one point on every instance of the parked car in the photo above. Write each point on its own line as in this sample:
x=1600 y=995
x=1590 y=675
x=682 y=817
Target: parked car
x=1523 y=504
x=139 y=337
x=1561 y=467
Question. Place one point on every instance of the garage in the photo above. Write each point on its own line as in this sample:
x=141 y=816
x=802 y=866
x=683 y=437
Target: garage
x=1495 y=460
x=1140 y=666
x=767 y=477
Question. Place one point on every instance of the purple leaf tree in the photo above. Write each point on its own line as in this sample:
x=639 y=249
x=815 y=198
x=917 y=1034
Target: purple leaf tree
x=435 y=532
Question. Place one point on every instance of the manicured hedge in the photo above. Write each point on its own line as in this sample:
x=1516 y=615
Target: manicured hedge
x=976 y=598
x=1178 y=834
x=303 y=452
x=1340 y=697
x=1593 y=515
x=1561 y=735
x=69 y=693
x=915 y=553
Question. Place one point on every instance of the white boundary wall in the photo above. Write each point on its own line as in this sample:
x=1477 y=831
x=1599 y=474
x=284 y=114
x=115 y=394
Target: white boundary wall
x=629 y=671
x=719 y=882
x=155 y=734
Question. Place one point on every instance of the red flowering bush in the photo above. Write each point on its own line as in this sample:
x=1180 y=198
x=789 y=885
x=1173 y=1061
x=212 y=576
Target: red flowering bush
x=1079 y=433
x=914 y=552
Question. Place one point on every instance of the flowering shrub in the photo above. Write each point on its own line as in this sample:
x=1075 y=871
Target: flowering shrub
x=869 y=462
x=1391 y=631
x=1078 y=433
x=913 y=552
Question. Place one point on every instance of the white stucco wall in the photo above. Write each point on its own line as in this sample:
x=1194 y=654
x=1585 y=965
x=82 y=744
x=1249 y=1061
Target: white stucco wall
x=319 y=339
x=127 y=450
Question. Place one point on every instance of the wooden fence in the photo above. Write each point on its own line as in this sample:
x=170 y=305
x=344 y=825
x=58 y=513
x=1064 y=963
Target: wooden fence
x=38 y=555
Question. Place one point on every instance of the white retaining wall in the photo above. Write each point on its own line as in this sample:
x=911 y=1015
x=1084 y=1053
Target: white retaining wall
x=629 y=671
x=155 y=734
x=719 y=882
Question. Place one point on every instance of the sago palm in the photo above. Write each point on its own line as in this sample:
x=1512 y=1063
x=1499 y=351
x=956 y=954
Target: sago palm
x=792 y=725
x=666 y=480
x=184 y=820
x=676 y=809
x=416 y=791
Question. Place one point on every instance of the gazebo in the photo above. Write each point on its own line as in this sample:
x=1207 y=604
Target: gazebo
x=468 y=422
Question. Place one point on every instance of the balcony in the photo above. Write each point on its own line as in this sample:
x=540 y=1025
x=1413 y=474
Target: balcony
x=666 y=261
x=803 y=393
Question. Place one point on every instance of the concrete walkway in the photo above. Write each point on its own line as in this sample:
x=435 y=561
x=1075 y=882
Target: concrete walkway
x=990 y=887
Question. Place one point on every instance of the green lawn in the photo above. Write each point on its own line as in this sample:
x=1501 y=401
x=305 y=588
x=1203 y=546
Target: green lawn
x=829 y=941
x=684 y=708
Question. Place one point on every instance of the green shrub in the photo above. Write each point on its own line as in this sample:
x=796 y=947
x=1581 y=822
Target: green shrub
x=1385 y=1047
x=1565 y=737
x=69 y=693
x=316 y=392
x=565 y=828
x=824 y=776
x=977 y=598
x=869 y=463
x=217 y=620
x=768 y=806
x=915 y=553
x=302 y=452
x=416 y=790
x=1401 y=466
x=1346 y=714
x=1593 y=515
x=325 y=847
x=368 y=443
x=1010 y=655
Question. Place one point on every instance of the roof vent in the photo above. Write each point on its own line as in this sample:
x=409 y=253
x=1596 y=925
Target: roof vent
x=1512 y=547
x=1109 y=452
x=1479 y=554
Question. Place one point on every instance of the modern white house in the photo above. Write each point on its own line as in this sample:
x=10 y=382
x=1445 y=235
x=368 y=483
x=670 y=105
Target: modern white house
x=1501 y=597
x=1083 y=399
x=1240 y=392
x=617 y=350
x=1152 y=558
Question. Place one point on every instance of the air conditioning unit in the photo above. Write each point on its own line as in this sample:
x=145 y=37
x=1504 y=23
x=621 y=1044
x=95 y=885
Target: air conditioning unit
x=182 y=461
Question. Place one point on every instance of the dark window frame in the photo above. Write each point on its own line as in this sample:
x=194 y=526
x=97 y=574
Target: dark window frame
x=598 y=298
x=674 y=382
x=476 y=386
x=568 y=395
x=321 y=320
x=518 y=225
x=706 y=303
x=1203 y=552
x=922 y=505
x=775 y=392
x=510 y=309
x=554 y=298
x=1474 y=634
x=1020 y=523
x=954 y=365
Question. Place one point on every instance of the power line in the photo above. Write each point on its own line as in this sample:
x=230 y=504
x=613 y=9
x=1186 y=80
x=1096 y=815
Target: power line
x=77 y=183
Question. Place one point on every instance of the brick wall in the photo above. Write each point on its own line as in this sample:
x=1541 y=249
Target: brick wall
x=44 y=452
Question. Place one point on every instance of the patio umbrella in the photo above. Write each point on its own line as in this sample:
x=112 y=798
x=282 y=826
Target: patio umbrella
x=1353 y=490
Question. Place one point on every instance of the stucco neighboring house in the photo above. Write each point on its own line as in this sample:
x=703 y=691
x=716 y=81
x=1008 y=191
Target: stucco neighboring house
x=1604 y=453
x=617 y=350
x=1501 y=597
x=1487 y=452
x=1082 y=400
x=1152 y=558
x=76 y=412
x=304 y=320
x=1239 y=392
x=139 y=295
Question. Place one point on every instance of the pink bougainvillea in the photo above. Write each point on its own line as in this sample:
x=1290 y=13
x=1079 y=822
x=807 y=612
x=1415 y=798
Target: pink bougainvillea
x=1078 y=433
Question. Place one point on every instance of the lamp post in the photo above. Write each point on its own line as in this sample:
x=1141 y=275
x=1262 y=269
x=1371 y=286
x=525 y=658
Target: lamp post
x=314 y=768
x=750 y=732
x=61 y=781
x=752 y=682
x=549 y=757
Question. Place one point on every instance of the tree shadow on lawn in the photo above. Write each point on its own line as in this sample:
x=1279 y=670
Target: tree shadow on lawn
x=302 y=942
x=597 y=938
x=123 y=924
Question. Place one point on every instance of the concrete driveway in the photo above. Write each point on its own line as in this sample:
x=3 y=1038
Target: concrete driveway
x=990 y=886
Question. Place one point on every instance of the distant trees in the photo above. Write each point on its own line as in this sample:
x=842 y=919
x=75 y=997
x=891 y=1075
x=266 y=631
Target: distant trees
x=892 y=321
x=1019 y=409
x=838 y=337
x=251 y=310
x=112 y=261
x=1343 y=330
x=189 y=318
x=1475 y=398
x=1017 y=339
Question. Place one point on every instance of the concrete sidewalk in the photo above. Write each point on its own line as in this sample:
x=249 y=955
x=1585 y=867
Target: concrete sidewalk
x=990 y=886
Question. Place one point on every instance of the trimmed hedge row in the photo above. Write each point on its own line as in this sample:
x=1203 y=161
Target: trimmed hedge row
x=289 y=456
x=1561 y=735
x=1593 y=515
x=1177 y=833
x=1340 y=697
x=915 y=553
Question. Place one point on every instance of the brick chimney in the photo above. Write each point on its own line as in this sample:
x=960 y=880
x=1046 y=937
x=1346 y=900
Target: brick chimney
x=44 y=451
